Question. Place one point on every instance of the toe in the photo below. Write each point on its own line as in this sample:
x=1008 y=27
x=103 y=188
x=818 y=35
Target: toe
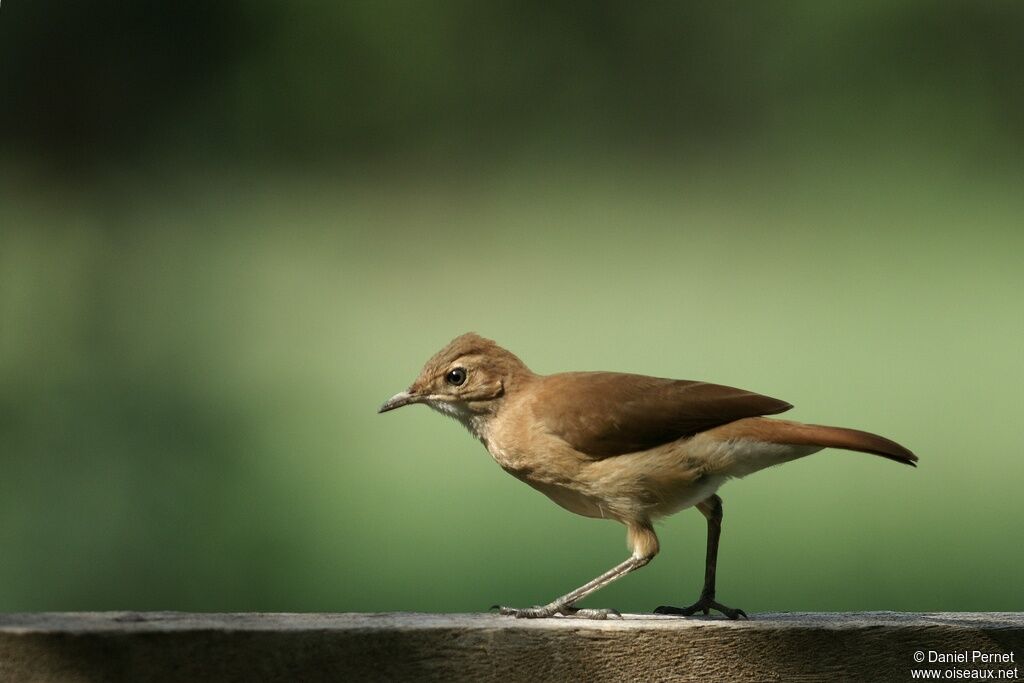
x=596 y=613
x=529 y=612
x=667 y=609
x=704 y=606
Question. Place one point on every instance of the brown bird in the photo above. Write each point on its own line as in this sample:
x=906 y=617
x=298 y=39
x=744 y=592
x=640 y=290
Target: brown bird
x=619 y=446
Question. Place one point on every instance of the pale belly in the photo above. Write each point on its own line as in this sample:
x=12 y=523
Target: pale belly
x=635 y=487
x=627 y=492
x=627 y=505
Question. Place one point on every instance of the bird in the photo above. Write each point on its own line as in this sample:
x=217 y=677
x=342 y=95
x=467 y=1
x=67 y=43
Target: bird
x=618 y=446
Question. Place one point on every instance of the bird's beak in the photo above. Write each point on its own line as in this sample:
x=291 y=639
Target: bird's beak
x=400 y=399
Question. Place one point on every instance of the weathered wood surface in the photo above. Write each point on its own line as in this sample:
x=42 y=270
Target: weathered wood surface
x=170 y=646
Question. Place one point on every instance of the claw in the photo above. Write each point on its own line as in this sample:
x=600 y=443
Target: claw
x=704 y=605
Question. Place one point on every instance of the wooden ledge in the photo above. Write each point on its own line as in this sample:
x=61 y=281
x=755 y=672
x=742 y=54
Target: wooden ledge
x=173 y=646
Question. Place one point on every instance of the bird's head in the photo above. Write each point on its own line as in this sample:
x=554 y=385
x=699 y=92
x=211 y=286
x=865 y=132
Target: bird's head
x=468 y=377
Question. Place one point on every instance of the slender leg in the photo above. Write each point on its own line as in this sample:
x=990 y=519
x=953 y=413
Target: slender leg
x=565 y=604
x=712 y=509
x=645 y=547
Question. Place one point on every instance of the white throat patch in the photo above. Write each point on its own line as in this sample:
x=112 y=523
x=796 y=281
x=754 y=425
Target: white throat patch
x=459 y=411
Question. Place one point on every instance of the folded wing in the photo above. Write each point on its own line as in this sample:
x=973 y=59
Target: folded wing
x=603 y=414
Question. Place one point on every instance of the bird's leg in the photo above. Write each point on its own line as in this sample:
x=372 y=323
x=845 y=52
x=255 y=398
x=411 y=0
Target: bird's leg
x=644 y=543
x=711 y=508
x=565 y=605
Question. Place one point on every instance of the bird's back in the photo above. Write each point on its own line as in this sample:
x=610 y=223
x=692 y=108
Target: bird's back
x=604 y=414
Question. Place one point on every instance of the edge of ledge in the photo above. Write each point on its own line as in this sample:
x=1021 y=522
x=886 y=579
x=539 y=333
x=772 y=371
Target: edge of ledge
x=127 y=622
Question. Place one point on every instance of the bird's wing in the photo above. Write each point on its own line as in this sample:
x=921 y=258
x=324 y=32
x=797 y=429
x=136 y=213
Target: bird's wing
x=603 y=414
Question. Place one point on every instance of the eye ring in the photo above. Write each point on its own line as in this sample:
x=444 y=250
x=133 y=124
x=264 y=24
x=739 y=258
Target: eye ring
x=456 y=377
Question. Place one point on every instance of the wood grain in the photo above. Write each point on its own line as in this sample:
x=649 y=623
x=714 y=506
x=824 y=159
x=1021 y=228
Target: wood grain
x=166 y=646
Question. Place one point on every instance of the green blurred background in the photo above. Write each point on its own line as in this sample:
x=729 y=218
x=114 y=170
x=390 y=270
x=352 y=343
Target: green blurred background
x=230 y=230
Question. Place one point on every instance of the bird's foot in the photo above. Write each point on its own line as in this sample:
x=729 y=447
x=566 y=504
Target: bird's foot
x=526 y=612
x=584 y=613
x=555 y=609
x=705 y=604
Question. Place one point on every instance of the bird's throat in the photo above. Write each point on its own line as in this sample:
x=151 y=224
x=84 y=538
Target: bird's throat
x=475 y=423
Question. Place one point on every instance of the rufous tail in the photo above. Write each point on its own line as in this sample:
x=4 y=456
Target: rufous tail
x=799 y=434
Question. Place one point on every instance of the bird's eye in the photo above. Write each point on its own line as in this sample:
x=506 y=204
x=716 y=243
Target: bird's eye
x=456 y=377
